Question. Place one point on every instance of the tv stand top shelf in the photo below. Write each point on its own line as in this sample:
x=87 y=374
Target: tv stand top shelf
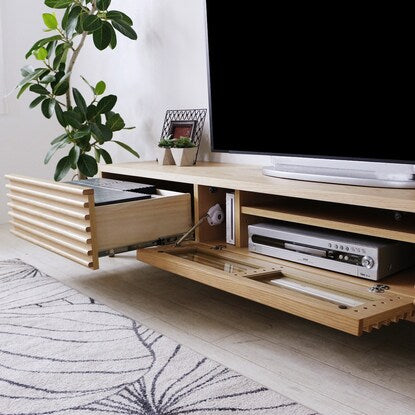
x=250 y=178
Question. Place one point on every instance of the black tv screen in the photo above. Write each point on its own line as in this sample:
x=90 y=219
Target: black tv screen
x=316 y=81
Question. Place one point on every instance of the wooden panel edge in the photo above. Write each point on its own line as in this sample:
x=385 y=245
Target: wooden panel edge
x=49 y=184
x=93 y=225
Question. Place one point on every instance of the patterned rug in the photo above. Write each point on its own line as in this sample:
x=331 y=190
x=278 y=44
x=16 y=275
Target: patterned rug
x=63 y=353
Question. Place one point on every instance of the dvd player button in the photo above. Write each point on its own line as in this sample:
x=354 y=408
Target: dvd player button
x=368 y=262
x=341 y=247
x=336 y=246
x=346 y=258
x=329 y=245
x=340 y=256
x=347 y=248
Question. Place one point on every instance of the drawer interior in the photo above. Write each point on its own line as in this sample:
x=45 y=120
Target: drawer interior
x=343 y=305
x=165 y=214
x=63 y=218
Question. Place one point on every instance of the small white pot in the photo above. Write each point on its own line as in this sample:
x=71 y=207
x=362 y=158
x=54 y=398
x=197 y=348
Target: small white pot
x=184 y=156
x=164 y=156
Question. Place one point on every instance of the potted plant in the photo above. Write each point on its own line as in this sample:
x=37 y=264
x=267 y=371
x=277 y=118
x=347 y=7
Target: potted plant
x=87 y=125
x=184 y=152
x=164 y=156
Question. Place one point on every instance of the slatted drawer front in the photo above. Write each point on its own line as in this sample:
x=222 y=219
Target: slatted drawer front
x=55 y=216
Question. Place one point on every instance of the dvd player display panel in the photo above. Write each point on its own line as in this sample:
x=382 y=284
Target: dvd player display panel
x=360 y=256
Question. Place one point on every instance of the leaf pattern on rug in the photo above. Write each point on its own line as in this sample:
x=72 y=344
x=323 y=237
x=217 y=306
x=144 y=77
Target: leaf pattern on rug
x=63 y=353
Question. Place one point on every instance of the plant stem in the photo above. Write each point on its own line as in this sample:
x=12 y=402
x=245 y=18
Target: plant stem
x=75 y=57
x=81 y=176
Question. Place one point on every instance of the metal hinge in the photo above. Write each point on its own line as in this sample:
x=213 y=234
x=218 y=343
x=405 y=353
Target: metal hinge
x=168 y=240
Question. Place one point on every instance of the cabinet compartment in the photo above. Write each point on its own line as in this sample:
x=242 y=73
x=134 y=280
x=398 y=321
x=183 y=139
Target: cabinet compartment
x=342 y=305
x=63 y=218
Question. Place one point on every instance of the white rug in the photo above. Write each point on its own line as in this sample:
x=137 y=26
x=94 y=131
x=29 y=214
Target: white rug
x=63 y=353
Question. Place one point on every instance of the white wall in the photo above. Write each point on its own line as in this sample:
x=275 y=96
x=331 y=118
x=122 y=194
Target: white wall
x=2 y=75
x=164 y=69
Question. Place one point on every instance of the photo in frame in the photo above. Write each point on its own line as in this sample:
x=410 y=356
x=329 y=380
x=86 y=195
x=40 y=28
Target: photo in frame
x=180 y=129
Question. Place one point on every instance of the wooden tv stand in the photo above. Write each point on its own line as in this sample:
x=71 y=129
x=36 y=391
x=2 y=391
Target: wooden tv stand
x=207 y=259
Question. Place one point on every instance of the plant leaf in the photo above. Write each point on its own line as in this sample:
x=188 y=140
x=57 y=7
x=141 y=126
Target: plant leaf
x=79 y=26
x=63 y=85
x=119 y=16
x=92 y=88
x=83 y=132
x=106 y=104
x=37 y=101
x=62 y=168
x=73 y=119
x=41 y=43
x=87 y=165
x=125 y=29
x=35 y=75
x=127 y=147
x=102 y=36
x=61 y=88
x=58 y=4
x=22 y=89
x=74 y=156
x=59 y=115
x=80 y=101
x=52 y=105
x=59 y=52
x=109 y=114
x=59 y=139
x=103 y=4
x=64 y=22
x=101 y=132
x=27 y=70
x=100 y=88
x=39 y=89
x=106 y=156
x=115 y=123
x=40 y=54
x=50 y=20
x=91 y=23
x=91 y=112
x=113 y=43
x=51 y=47
x=97 y=155
x=47 y=110
x=73 y=17
x=55 y=147
x=47 y=79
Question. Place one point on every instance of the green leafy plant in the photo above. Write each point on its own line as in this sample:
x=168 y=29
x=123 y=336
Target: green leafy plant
x=87 y=126
x=166 y=142
x=183 y=142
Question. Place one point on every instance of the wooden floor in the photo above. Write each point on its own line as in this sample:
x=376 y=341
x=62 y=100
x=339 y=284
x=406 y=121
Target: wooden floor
x=329 y=371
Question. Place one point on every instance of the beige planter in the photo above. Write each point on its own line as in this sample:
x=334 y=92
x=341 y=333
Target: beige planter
x=184 y=156
x=164 y=156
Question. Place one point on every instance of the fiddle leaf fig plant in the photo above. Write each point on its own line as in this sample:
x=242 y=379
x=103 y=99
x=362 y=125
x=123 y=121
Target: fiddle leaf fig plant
x=88 y=122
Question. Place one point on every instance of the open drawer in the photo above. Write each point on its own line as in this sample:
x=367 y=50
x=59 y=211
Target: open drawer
x=63 y=218
x=339 y=304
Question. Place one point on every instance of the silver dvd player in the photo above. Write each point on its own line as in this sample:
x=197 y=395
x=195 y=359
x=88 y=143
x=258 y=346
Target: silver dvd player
x=359 y=256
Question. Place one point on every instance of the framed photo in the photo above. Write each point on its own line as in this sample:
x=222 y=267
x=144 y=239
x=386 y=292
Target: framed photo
x=184 y=123
x=182 y=129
